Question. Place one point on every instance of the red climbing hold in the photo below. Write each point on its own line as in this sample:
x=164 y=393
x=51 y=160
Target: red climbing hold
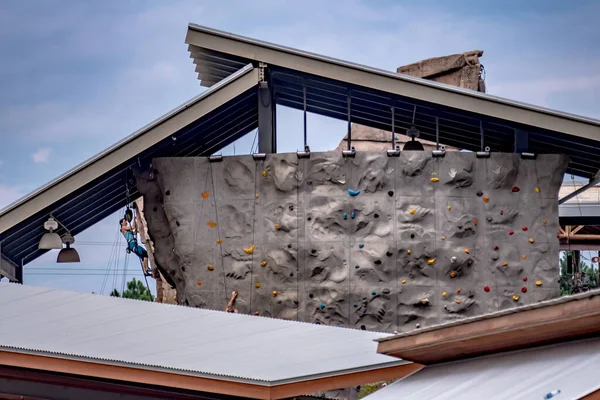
x=496 y=247
x=525 y=279
x=524 y=229
x=511 y=233
x=515 y=189
x=524 y=289
x=486 y=288
x=501 y=212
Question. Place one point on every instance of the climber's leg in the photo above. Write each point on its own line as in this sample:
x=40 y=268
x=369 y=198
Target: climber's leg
x=230 y=304
x=143 y=255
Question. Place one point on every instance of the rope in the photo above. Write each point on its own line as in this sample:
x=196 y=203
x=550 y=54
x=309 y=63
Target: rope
x=111 y=257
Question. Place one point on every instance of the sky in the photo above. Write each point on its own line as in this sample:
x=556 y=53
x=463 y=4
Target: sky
x=78 y=76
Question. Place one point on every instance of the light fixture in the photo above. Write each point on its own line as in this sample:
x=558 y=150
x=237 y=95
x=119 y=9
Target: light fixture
x=413 y=145
x=50 y=240
x=68 y=254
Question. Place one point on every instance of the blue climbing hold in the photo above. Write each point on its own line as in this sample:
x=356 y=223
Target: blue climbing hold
x=373 y=293
x=360 y=246
x=353 y=192
x=357 y=266
x=322 y=306
x=396 y=138
x=352 y=215
x=356 y=305
x=345 y=216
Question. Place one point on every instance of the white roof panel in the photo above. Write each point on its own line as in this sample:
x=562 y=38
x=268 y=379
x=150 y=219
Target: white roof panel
x=190 y=340
x=571 y=368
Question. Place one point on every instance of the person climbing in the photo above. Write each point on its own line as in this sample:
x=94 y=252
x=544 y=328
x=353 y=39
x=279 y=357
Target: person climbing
x=133 y=246
x=229 y=308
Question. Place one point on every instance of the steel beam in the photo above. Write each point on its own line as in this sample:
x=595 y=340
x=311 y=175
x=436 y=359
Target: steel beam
x=593 y=182
x=267 y=138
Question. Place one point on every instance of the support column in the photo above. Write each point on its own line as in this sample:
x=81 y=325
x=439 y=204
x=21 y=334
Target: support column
x=521 y=141
x=267 y=137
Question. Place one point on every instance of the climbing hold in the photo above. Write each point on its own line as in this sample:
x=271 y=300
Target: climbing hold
x=274 y=293
x=412 y=211
x=443 y=237
x=457 y=301
x=489 y=219
x=452 y=274
x=501 y=212
x=516 y=298
x=537 y=189
x=390 y=193
x=256 y=195
x=377 y=262
x=538 y=283
x=360 y=246
x=524 y=256
x=453 y=260
x=249 y=250
x=523 y=289
x=352 y=215
x=486 y=199
x=434 y=177
x=408 y=252
x=210 y=268
x=345 y=216
x=431 y=261
x=496 y=247
x=486 y=288
x=524 y=279
x=505 y=264
x=531 y=240
x=458 y=291
x=425 y=301
x=511 y=233
x=449 y=207
x=263 y=264
x=199 y=283
x=357 y=266
x=469 y=261
x=474 y=221
x=211 y=224
x=373 y=293
x=444 y=294
x=515 y=189
x=256 y=313
x=264 y=173
x=544 y=221
x=353 y=192
x=276 y=227
x=355 y=305
x=479 y=193
x=524 y=229
x=205 y=195
x=417 y=325
x=389 y=253
x=375 y=215
x=257 y=285
x=403 y=281
x=219 y=241
x=467 y=251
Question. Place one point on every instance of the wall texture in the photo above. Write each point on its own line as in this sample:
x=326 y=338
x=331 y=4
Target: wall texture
x=373 y=242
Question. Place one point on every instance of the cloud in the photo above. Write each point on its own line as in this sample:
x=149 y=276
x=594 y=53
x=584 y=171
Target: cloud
x=42 y=155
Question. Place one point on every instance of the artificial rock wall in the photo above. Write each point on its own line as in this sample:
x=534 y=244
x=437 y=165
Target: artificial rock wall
x=373 y=242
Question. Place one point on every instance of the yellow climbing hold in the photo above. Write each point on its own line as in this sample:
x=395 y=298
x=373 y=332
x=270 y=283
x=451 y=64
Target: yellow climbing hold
x=467 y=251
x=249 y=250
x=531 y=240
x=452 y=274
x=256 y=195
x=434 y=178
x=505 y=264
x=205 y=195
x=210 y=268
x=274 y=293
x=449 y=207
x=524 y=256
x=211 y=224
x=486 y=199
x=443 y=237
x=444 y=294
x=431 y=261
x=403 y=281
x=264 y=173
x=263 y=264
x=544 y=221
x=516 y=297
x=255 y=312
x=537 y=189
x=457 y=301
x=538 y=283
x=219 y=241
x=408 y=252
x=412 y=211
x=257 y=285
x=276 y=227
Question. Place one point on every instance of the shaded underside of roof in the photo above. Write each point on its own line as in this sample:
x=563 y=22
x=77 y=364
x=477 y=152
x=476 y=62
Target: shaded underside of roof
x=187 y=341
x=530 y=374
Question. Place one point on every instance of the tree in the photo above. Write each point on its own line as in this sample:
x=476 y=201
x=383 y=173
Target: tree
x=135 y=290
x=592 y=274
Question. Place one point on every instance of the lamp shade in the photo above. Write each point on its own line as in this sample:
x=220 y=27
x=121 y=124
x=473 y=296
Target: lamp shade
x=50 y=240
x=413 y=145
x=68 y=255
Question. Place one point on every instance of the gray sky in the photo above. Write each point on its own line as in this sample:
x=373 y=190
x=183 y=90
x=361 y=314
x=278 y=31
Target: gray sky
x=78 y=76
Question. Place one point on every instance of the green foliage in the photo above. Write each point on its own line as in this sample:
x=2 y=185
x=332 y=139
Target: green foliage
x=367 y=389
x=590 y=271
x=135 y=290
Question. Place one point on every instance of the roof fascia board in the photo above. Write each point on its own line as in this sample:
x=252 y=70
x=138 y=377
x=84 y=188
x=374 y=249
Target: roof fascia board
x=8 y=269
x=421 y=89
x=124 y=150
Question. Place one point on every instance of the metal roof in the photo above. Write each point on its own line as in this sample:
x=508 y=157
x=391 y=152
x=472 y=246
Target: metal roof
x=184 y=340
x=528 y=374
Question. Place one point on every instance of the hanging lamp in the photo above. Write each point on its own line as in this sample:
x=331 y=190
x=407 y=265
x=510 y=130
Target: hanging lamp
x=50 y=240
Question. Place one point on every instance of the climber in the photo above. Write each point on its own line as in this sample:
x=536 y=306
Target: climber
x=229 y=308
x=133 y=246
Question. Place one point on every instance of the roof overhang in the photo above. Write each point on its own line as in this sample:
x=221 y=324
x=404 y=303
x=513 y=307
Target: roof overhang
x=566 y=318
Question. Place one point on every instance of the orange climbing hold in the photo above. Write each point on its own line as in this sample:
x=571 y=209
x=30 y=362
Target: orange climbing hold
x=274 y=293
x=256 y=195
x=474 y=221
x=403 y=281
x=457 y=301
x=524 y=256
x=505 y=264
x=276 y=227
x=263 y=264
x=219 y=241
x=256 y=313
x=210 y=268
x=449 y=207
x=205 y=195
x=452 y=274
x=486 y=199
x=211 y=224
x=467 y=251
x=199 y=283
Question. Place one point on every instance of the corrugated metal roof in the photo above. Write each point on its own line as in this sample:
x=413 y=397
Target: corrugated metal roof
x=183 y=339
x=571 y=368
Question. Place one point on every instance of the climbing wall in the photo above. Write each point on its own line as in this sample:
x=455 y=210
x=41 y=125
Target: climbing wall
x=373 y=242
